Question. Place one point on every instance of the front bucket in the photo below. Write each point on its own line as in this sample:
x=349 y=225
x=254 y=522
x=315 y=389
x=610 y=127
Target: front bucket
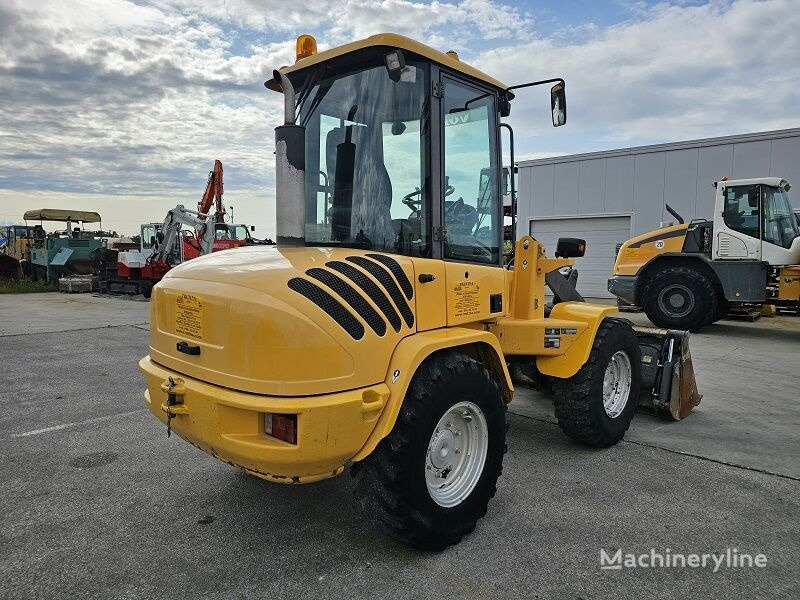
x=668 y=387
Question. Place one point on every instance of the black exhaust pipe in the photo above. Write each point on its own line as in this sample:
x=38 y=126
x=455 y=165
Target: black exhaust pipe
x=675 y=214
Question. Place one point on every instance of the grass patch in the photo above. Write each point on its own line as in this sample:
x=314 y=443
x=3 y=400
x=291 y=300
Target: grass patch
x=25 y=286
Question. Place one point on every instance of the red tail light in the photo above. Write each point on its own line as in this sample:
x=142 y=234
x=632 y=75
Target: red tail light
x=283 y=427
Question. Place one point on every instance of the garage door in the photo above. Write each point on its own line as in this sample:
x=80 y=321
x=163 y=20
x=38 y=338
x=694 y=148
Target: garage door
x=602 y=234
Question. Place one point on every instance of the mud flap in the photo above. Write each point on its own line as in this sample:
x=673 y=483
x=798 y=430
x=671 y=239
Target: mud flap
x=669 y=388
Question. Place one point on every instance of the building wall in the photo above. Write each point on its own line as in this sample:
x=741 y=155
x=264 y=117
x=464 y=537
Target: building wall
x=639 y=181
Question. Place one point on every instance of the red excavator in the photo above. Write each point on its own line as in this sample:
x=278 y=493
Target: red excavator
x=184 y=234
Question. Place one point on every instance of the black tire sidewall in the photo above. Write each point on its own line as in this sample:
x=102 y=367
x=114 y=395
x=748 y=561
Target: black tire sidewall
x=470 y=385
x=703 y=310
x=618 y=338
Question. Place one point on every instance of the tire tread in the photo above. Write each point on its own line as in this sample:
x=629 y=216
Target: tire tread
x=574 y=408
x=380 y=483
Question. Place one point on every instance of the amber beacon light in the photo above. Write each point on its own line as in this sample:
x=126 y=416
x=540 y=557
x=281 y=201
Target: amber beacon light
x=306 y=46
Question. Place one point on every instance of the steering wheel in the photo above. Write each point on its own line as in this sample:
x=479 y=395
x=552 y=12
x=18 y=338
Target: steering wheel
x=460 y=216
x=411 y=202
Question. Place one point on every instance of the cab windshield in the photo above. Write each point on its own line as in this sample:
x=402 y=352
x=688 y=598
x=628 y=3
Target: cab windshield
x=780 y=225
x=365 y=148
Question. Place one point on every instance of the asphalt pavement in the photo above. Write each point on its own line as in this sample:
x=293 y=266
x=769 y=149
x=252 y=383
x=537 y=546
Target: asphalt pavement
x=98 y=502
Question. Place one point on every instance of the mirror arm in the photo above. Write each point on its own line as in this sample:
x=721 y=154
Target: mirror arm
x=533 y=83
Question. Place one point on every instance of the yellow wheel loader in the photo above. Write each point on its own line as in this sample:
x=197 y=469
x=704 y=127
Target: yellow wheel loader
x=689 y=275
x=378 y=334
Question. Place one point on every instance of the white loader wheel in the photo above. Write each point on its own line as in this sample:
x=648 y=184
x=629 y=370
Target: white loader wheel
x=456 y=454
x=431 y=478
x=617 y=384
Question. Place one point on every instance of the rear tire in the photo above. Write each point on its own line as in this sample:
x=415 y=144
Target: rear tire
x=596 y=405
x=451 y=428
x=680 y=298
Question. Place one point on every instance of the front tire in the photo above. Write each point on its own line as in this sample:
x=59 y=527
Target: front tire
x=680 y=298
x=723 y=308
x=431 y=478
x=596 y=405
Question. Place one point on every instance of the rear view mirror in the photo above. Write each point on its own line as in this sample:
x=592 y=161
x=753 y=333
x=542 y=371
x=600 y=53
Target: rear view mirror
x=558 y=104
x=570 y=248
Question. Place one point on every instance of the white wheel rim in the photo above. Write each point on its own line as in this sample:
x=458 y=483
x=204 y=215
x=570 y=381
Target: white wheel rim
x=617 y=384
x=456 y=454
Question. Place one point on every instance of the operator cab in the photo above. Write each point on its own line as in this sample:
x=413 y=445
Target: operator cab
x=757 y=221
x=402 y=147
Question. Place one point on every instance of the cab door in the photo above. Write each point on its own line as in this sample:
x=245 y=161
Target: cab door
x=737 y=229
x=471 y=210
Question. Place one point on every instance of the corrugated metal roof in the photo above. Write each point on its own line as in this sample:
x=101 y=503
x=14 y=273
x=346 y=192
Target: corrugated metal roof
x=717 y=141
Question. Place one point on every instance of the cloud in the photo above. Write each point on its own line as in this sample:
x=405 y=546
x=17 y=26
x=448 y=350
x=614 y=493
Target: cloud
x=113 y=102
x=675 y=72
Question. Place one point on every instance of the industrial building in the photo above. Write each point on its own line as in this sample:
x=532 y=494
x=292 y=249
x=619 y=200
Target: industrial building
x=606 y=197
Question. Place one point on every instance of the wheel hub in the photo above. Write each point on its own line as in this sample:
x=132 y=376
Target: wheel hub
x=617 y=384
x=443 y=445
x=456 y=454
x=676 y=300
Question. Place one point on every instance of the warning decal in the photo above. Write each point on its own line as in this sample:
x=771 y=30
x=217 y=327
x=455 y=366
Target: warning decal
x=466 y=299
x=189 y=316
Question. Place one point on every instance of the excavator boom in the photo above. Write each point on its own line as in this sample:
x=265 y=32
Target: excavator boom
x=213 y=194
x=172 y=226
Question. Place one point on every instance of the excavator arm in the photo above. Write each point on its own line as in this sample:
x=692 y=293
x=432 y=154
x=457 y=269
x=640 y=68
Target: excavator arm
x=172 y=226
x=213 y=195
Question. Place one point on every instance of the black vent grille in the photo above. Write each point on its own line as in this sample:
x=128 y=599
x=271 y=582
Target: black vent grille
x=352 y=297
x=397 y=271
x=370 y=289
x=329 y=304
x=386 y=280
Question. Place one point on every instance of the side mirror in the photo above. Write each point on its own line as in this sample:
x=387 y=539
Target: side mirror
x=558 y=104
x=252 y=227
x=570 y=248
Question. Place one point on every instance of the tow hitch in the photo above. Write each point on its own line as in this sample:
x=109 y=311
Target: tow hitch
x=175 y=391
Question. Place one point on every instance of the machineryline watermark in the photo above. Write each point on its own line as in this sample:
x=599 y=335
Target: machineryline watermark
x=730 y=558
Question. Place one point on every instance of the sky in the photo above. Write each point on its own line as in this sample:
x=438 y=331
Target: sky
x=122 y=106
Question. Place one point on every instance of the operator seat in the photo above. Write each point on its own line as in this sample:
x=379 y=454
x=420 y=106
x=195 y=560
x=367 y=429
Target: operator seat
x=372 y=186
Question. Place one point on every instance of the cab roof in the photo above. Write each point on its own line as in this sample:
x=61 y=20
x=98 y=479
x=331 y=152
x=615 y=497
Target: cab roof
x=391 y=40
x=60 y=214
x=777 y=182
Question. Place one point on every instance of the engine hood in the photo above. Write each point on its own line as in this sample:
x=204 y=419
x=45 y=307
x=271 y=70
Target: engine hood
x=283 y=321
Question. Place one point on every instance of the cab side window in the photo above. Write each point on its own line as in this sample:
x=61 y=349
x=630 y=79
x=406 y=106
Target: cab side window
x=741 y=209
x=471 y=203
x=148 y=237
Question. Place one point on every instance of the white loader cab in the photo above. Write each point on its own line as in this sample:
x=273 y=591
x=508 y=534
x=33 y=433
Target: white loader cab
x=753 y=220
